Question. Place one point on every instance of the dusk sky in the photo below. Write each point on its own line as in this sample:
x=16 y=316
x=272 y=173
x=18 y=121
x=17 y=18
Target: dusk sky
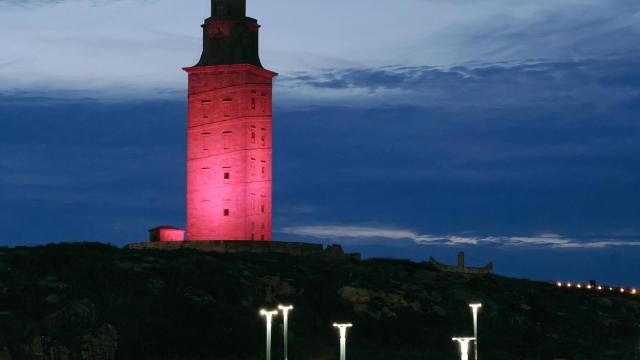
x=509 y=129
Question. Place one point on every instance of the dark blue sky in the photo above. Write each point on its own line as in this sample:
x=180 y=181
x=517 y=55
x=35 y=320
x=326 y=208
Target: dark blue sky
x=530 y=163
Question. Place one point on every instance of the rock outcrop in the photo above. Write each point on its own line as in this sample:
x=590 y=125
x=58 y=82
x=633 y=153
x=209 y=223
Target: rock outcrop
x=101 y=344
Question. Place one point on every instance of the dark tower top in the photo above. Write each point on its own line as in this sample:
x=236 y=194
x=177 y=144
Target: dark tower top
x=230 y=37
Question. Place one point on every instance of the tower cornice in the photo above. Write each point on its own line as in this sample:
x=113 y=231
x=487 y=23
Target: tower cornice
x=232 y=67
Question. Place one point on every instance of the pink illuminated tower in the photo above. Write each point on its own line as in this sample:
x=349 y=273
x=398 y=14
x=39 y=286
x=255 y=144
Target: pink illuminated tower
x=229 y=131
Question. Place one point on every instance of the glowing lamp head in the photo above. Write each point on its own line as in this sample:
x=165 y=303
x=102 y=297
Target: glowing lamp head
x=569 y=285
x=268 y=314
x=600 y=288
x=634 y=291
x=579 y=286
x=285 y=308
x=463 y=339
x=343 y=329
x=475 y=308
x=622 y=290
x=342 y=326
x=464 y=343
x=559 y=284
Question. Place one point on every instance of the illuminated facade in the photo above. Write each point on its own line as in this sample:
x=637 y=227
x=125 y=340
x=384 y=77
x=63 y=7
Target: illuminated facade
x=229 y=178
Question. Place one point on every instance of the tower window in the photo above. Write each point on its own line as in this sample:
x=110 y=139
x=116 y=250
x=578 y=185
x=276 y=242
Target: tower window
x=253 y=100
x=263 y=102
x=226 y=173
x=226 y=207
x=263 y=136
x=226 y=107
x=206 y=141
x=205 y=175
x=226 y=137
x=264 y=168
x=205 y=104
x=253 y=167
x=252 y=208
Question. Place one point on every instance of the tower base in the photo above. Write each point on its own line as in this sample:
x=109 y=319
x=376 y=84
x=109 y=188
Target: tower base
x=253 y=247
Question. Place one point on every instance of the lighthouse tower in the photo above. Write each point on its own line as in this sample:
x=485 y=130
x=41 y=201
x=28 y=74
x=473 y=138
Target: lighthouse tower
x=229 y=131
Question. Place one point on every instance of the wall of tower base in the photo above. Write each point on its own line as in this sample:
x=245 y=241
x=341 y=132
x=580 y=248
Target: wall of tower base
x=256 y=247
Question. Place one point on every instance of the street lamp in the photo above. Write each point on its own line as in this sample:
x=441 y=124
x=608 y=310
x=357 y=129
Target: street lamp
x=269 y=317
x=343 y=339
x=285 y=313
x=475 y=308
x=464 y=346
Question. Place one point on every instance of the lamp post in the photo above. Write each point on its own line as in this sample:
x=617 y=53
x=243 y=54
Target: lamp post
x=343 y=339
x=464 y=346
x=269 y=317
x=285 y=313
x=475 y=308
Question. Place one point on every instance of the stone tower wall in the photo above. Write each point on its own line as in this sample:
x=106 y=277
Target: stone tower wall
x=229 y=165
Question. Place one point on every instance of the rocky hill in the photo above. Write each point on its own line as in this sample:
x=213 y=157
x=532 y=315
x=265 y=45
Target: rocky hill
x=97 y=302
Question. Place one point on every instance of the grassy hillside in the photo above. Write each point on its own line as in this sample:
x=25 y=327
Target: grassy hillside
x=91 y=301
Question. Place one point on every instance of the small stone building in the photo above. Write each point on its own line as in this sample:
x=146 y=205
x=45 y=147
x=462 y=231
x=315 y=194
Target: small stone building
x=166 y=233
x=461 y=267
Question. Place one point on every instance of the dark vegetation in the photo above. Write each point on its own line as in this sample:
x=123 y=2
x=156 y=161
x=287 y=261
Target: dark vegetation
x=92 y=301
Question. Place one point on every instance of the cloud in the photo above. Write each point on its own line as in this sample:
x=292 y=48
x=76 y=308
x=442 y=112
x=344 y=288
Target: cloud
x=601 y=82
x=356 y=233
x=24 y=3
x=136 y=48
x=559 y=30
